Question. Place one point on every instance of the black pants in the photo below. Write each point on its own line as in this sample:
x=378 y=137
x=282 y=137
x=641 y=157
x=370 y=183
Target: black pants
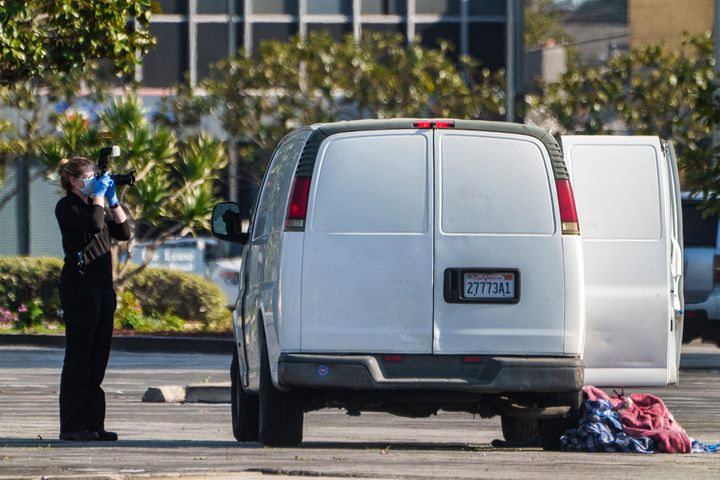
x=88 y=315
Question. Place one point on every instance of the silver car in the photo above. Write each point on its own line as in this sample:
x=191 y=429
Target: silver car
x=702 y=271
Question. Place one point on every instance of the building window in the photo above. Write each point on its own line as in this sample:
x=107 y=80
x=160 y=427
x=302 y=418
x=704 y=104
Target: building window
x=487 y=7
x=173 y=7
x=167 y=63
x=287 y=7
x=433 y=33
x=212 y=45
x=336 y=30
x=383 y=7
x=212 y=6
x=330 y=7
x=438 y=7
x=487 y=44
x=386 y=28
x=272 y=31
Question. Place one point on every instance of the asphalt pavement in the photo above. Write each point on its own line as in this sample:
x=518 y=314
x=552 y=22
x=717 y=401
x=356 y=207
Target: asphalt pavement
x=194 y=440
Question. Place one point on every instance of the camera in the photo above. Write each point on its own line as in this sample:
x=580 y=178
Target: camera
x=119 y=178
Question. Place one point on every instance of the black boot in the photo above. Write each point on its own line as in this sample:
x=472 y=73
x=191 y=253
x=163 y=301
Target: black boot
x=105 y=436
x=79 y=436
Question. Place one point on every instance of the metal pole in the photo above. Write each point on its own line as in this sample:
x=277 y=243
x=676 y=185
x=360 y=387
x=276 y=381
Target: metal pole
x=510 y=61
x=716 y=56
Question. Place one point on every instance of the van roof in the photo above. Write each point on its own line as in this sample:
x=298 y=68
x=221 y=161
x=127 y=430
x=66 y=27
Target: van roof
x=401 y=123
x=324 y=130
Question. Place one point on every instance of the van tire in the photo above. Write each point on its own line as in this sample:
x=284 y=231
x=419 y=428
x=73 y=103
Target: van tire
x=518 y=430
x=551 y=429
x=281 y=413
x=245 y=420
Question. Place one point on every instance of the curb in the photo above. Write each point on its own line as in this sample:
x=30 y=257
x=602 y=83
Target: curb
x=222 y=346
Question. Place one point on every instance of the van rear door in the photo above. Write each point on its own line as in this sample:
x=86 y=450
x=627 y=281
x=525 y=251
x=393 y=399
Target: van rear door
x=499 y=281
x=368 y=243
x=626 y=203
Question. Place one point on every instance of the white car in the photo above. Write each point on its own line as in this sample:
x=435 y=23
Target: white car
x=225 y=273
x=408 y=266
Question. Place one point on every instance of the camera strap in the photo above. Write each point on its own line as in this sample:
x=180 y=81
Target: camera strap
x=90 y=252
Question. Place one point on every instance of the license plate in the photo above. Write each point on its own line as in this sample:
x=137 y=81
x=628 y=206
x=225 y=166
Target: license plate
x=492 y=286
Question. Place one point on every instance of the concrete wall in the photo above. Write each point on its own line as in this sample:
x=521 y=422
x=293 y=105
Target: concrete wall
x=9 y=235
x=27 y=220
x=653 y=21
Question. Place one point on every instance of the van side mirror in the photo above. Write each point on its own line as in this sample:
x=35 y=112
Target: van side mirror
x=227 y=224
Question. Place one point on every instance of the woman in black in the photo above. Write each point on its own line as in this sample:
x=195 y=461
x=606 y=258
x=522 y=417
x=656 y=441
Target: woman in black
x=89 y=215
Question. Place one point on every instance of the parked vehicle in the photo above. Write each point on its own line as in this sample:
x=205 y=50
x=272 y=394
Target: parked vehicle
x=408 y=266
x=702 y=270
x=202 y=256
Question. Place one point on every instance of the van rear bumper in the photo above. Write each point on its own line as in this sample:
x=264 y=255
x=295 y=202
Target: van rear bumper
x=480 y=374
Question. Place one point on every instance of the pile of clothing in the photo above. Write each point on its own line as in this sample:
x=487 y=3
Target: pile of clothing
x=639 y=423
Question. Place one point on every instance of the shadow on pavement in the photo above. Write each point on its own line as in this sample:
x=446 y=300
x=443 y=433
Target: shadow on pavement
x=9 y=442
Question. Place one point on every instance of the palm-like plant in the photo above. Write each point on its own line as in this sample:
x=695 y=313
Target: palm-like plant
x=175 y=187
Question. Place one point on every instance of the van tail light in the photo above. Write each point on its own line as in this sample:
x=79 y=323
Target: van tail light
x=423 y=124
x=445 y=124
x=716 y=269
x=568 y=213
x=297 y=210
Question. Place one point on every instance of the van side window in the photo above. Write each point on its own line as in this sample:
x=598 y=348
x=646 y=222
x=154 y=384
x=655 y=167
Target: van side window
x=275 y=191
x=494 y=185
x=373 y=184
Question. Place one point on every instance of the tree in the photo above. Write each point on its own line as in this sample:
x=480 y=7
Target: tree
x=34 y=109
x=176 y=181
x=543 y=21
x=42 y=37
x=319 y=79
x=647 y=91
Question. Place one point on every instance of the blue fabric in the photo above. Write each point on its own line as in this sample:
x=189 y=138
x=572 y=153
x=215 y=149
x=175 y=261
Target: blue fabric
x=600 y=430
x=700 y=447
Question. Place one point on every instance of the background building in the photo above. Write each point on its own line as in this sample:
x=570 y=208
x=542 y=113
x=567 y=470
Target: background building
x=192 y=34
x=653 y=21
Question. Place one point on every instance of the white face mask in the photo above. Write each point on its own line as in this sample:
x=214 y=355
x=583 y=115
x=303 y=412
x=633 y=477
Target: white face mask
x=87 y=187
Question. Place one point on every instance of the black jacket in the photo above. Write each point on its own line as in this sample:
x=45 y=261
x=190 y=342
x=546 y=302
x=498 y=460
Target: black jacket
x=87 y=229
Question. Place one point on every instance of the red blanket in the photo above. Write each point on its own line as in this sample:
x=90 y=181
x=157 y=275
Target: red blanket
x=645 y=415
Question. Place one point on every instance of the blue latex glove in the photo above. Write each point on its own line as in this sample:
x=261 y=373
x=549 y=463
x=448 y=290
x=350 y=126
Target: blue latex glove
x=101 y=185
x=110 y=194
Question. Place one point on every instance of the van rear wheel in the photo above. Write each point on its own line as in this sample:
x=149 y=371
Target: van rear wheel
x=245 y=421
x=551 y=429
x=517 y=430
x=281 y=413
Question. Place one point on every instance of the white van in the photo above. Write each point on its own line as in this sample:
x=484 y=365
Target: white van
x=409 y=266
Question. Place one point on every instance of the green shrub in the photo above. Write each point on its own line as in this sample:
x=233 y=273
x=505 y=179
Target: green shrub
x=164 y=292
x=24 y=280
x=166 y=298
x=30 y=315
x=129 y=316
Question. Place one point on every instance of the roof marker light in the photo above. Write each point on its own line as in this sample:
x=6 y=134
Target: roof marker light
x=445 y=124
x=423 y=124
